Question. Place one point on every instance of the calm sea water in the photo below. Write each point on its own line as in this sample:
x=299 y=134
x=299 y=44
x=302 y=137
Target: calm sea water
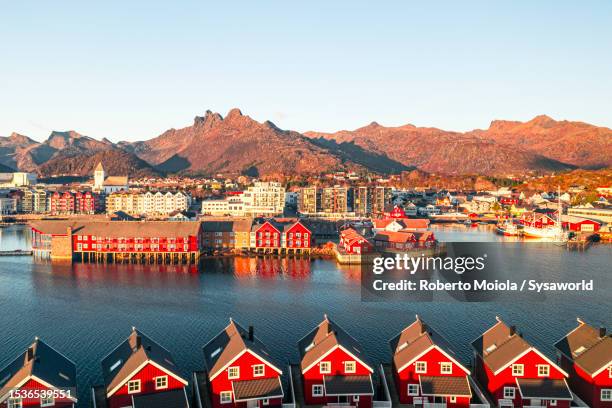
x=85 y=310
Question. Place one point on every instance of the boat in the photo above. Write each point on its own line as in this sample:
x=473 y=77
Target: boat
x=507 y=229
x=449 y=216
x=553 y=233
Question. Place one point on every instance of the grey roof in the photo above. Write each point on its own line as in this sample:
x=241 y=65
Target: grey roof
x=166 y=399
x=348 y=385
x=544 y=388
x=46 y=364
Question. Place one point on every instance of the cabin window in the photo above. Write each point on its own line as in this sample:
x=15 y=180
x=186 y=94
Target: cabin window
x=317 y=390
x=610 y=371
x=453 y=399
x=350 y=367
x=233 y=373
x=355 y=398
x=133 y=386
x=552 y=403
x=325 y=367
x=446 y=368
x=258 y=370
x=161 y=382
x=226 y=397
x=606 y=394
x=509 y=392
x=420 y=367
x=265 y=401
x=543 y=370
x=518 y=369
x=413 y=389
x=47 y=402
x=15 y=403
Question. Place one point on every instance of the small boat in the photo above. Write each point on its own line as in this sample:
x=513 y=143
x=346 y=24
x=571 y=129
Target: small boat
x=550 y=233
x=507 y=229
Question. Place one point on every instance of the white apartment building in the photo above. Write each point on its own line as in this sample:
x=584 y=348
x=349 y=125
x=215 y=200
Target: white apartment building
x=261 y=199
x=149 y=203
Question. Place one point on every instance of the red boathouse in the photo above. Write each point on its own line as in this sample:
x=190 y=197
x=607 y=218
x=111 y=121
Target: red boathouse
x=333 y=368
x=586 y=354
x=40 y=377
x=515 y=373
x=426 y=370
x=240 y=372
x=140 y=373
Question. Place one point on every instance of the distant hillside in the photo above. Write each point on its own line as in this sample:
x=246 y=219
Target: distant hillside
x=116 y=162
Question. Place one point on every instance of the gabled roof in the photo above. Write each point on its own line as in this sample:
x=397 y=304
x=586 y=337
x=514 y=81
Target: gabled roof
x=588 y=347
x=41 y=363
x=118 y=229
x=230 y=344
x=116 y=181
x=396 y=237
x=131 y=356
x=501 y=345
x=416 y=340
x=323 y=339
x=99 y=167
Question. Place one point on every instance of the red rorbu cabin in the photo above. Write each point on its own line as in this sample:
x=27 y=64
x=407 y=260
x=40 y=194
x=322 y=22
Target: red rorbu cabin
x=40 y=377
x=353 y=242
x=333 y=368
x=277 y=234
x=515 y=373
x=140 y=373
x=426 y=370
x=240 y=371
x=586 y=354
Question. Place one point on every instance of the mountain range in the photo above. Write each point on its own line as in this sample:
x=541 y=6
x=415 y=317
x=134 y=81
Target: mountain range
x=238 y=144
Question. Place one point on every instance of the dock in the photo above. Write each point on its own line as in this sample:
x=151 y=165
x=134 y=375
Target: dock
x=16 y=252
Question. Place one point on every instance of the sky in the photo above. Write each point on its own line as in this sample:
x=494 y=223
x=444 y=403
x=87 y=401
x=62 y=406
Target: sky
x=129 y=70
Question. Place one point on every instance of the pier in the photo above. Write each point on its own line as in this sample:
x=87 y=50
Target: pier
x=16 y=252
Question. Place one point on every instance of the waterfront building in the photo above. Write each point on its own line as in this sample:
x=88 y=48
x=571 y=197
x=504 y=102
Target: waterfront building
x=232 y=206
x=353 y=242
x=281 y=235
x=240 y=371
x=39 y=377
x=91 y=240
x=398 y=224
x=592 y=213
x=333 y=368
x=265 y=199
x=8 y=205
x=515 y=373
x=226 y=234
x=579 y=224
x=586 y=354
x=372 y=200
x=33 y=201
x=17 y=179
x=140 y=373
x=328 y=202
x=149 y=204
x=309 y=200
x=427 y=370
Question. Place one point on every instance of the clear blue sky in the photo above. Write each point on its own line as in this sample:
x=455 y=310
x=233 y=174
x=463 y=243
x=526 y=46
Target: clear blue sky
x=128 y=70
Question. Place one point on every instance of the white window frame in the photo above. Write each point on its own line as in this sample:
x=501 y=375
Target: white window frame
x=517 y=366
x=225 y=397
x=547 y=367
x=230 y=371
x=420 y=367
x=355 y=398
x=317 y=387
x=413 y=393
x=265 y=401
x=506 y=389
x=15 y=403
x=446 y=367
x=453 y=399
x=605 y=391
x=256 y=367
x=165 y=379
x=325 y=364
x=134 y=382
x=552 y=403
x=610 y=372
x=47 y=401
x=348 y=363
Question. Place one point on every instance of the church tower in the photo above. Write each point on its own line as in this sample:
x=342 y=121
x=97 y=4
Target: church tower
x=98 y=177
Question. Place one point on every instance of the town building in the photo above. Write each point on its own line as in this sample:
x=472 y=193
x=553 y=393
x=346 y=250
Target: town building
x=327 y=202
x=70 y=202
x=353 y=243
x=333 y=368
x=515 y=373
x=240 y=371
x=226 y=234
x=148 y=203
x=280 y=236
x=579 y=224
x=140 y=373
x=264 y=199
x=39 y=377
x=232 y=206
x=8 y=205
x=372 y=200
x=17 y=179
x=90 y=240
x=598 y=214
x=309 y=201
x=586 y=354
x=426 y=369
x=33 y=201
x=108 y=185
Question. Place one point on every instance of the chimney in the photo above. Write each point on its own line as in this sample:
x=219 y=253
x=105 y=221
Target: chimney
x=138 y=342
x=512 y=330
x=30 y=354
x=251 y=331
x=602 y=332
x=423 y=328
